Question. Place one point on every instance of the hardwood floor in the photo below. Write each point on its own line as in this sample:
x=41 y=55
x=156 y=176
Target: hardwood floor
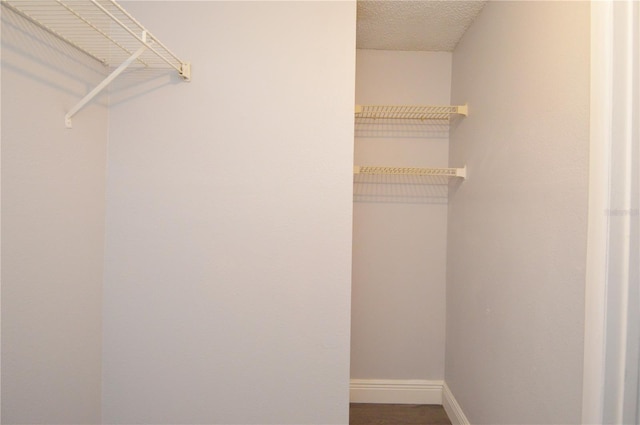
x=397 y=414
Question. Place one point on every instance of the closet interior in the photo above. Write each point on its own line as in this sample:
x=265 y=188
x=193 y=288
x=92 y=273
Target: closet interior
x=402 y=181
x=465 y=286
x=307 y=222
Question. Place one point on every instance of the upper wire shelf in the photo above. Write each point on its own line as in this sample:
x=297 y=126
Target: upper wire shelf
x=100 y=28
x=411 y=112
x=412 y=171
x=103 y=30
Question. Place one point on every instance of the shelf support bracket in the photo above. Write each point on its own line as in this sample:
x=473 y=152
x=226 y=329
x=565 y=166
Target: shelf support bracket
x=93 y=93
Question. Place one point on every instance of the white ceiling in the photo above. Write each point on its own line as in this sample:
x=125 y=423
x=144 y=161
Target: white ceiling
x=430 y=25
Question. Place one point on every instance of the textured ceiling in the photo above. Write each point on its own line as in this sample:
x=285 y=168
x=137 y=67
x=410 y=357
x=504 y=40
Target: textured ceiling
x=430 y=25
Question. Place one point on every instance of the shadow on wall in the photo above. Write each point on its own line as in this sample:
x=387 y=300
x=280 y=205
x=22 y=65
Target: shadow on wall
x=138 y=82
x=401 y=128
x=40 y=53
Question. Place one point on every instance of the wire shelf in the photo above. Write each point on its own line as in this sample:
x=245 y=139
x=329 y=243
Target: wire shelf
x=412 y=112
x=412 y=171
x=100 y=28
x=103 y=30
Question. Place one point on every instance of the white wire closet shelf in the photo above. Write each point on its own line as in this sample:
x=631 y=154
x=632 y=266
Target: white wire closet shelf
x=103 y=30
x=410 y=112
x=412 y=171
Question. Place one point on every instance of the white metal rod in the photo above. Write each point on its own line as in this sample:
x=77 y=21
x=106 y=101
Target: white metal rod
x=102 y=85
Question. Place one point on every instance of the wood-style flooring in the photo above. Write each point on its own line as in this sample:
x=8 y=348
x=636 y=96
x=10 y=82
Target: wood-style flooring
x=397 y=414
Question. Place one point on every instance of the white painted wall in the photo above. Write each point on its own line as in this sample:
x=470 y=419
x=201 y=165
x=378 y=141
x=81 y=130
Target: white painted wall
x=228 y=256
x=517 y=226
x=399 y=236
x=53 y=211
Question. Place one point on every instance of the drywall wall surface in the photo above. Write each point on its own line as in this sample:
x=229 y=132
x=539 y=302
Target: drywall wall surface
x=228 y=256
x=517 y=226
x=53 y=212
x=399 y=236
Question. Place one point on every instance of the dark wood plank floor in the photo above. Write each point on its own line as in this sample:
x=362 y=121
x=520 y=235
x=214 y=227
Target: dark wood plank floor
x=397 y=414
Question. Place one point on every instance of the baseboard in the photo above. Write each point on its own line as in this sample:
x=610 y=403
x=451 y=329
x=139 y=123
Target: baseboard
x=453 y=409
x=396 y=391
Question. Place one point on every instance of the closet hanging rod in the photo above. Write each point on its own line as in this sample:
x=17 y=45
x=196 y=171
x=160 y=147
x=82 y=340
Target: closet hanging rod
x=413 y=112
x=412 y=171
x=105 y=31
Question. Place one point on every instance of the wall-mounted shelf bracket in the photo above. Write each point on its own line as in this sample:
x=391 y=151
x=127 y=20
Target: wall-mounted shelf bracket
x=93 y=93
x=412 y=171
x=185 y=71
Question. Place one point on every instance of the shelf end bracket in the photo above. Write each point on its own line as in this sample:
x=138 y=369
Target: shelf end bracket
x=462 y=172
x=185 y=71
x=463 y=109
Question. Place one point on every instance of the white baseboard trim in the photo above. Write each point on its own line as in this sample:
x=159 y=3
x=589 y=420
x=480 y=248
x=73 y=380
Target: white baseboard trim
x=396 y=391
x=453 y=409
